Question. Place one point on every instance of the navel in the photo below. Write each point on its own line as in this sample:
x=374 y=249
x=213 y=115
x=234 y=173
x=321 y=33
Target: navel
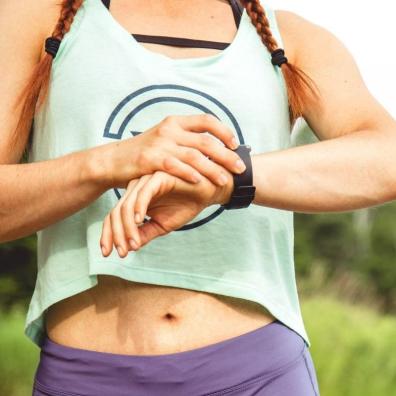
x=170 y=317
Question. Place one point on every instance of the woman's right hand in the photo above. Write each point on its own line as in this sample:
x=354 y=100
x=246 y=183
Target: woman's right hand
x=176 y=145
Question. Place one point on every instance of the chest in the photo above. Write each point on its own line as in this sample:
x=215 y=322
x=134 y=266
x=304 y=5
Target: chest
x=106 y=86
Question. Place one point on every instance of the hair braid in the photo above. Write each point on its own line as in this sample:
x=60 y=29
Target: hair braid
x=300 y=87
x=35 y=91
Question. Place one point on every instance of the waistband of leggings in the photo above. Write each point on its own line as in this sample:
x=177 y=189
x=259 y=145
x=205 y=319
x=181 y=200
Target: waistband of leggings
x=257 y=353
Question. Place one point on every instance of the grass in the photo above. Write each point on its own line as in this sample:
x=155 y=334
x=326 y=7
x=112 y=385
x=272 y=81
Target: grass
x=353 y=348
x=18 y=356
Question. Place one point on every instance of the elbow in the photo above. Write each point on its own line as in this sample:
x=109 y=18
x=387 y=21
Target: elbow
x=385 y=164
x=389 y=191
x=3 y=229
x=387 y=185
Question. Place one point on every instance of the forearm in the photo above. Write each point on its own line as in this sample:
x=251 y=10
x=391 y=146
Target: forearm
x=350 y=172
x=36 y=195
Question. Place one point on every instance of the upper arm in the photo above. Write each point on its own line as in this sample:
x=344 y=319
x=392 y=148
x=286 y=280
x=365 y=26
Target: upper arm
x=345 y=104
x=23 y=28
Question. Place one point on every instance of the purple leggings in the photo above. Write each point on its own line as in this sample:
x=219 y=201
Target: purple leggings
x=272 y=360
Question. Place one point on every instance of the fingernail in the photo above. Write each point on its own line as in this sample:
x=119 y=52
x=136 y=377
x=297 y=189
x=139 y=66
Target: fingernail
x=240 y=165
x=120 y=251
x=223 y=179
x=133 y=244
x=103 y=250
x=137 y=218
x=234 y=143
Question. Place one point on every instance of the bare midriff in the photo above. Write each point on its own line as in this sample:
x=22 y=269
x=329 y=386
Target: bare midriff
x=124 y=317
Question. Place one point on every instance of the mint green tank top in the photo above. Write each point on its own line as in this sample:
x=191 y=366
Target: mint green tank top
x=106 y=86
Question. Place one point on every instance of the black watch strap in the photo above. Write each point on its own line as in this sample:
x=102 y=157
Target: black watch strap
x=244 y=191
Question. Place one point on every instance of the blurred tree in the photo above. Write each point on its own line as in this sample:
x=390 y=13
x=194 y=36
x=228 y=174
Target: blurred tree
x=17 y=271
x=379 y=264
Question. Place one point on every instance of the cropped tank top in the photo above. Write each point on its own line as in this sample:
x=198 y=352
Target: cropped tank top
x=106 y=86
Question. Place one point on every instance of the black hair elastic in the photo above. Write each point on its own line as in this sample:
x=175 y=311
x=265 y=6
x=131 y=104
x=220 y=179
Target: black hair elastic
x=52 y=45
x=278 y=57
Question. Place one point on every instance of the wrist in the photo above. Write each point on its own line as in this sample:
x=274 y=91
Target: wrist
x=96 y=168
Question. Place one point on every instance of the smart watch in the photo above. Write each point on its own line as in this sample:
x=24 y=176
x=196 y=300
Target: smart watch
x=244 y=191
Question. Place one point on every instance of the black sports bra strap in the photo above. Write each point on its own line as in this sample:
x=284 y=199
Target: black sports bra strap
x=237 y=10
x=180 y=41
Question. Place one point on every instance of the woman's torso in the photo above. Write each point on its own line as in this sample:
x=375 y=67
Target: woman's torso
x=121 y=316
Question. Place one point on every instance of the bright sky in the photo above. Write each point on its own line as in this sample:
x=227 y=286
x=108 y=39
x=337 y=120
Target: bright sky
x=368 y=29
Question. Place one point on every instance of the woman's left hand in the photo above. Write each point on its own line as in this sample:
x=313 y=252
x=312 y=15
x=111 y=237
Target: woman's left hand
x=169 y=201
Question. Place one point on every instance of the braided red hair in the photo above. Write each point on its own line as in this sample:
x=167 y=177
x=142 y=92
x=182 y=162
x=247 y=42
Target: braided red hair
x=300 y=87
x=36 y=89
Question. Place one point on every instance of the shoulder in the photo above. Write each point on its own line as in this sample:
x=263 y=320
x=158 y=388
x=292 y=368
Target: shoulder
x=24 y=25
x=303 y=38
x=346 y=105
x=28 y=22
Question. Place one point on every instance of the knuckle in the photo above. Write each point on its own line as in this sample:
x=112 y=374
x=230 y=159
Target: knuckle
x=206 y=140
x=168 y=163
x=164 y=130
x=207 y=117
x=169 y=120
x=193 y=154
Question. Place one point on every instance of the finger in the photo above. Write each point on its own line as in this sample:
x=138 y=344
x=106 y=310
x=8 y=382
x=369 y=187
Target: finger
x=144 y=197
x=117 y=228
x=127 y=211
x=207 y=122
x=209 y=169
x=106 y=239
x=208 y=146
x=178 y=168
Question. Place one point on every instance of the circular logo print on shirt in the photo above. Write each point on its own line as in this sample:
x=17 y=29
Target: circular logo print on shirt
x=148 y=106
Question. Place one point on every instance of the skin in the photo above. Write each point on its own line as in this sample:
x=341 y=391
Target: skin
x=119 y=316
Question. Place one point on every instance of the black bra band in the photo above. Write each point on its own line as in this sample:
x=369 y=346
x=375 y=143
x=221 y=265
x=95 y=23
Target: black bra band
x=180 y=42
